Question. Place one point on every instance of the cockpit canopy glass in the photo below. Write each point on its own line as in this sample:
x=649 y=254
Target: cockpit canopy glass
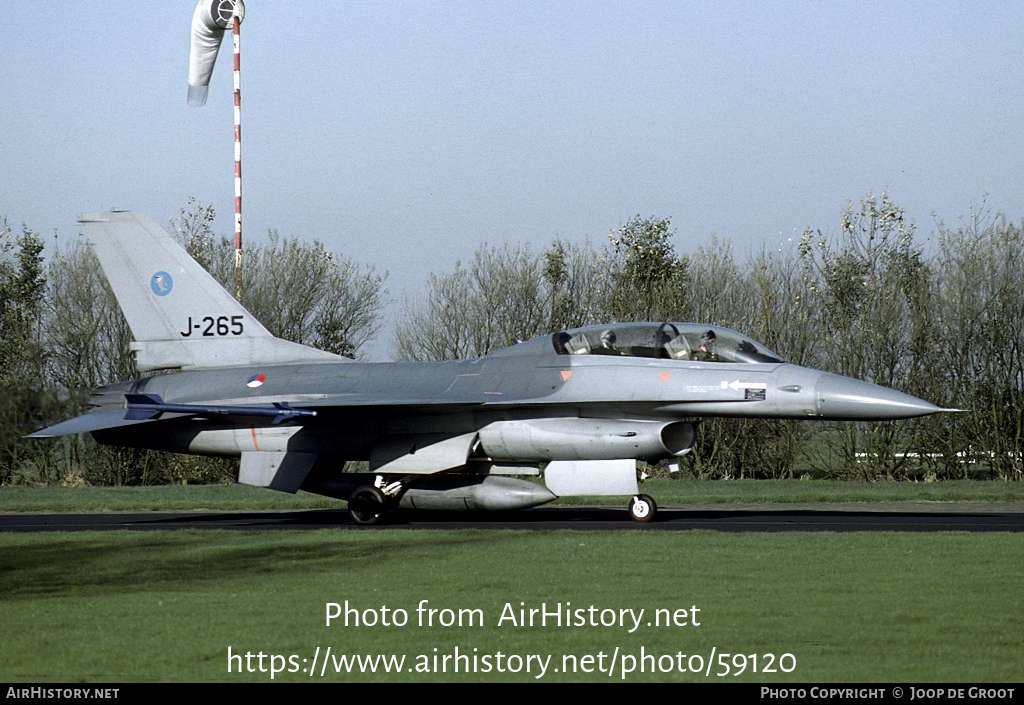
x=670 y=341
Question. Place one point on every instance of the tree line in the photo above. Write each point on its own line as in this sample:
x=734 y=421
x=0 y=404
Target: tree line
x=940 y=320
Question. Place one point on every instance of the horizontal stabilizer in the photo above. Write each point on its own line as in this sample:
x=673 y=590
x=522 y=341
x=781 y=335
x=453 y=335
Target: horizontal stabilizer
x=87 y=423
x=142 y=407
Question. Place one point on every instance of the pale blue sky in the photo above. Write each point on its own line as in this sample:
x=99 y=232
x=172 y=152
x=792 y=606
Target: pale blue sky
x=403 y=134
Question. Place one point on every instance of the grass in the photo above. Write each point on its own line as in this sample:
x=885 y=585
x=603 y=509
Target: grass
x=167 y=606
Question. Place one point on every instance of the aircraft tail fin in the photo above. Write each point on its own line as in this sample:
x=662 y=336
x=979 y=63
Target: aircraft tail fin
x=179 y=315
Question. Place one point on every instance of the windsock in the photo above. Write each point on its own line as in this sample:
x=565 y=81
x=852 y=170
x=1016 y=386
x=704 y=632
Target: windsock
x=209 y=21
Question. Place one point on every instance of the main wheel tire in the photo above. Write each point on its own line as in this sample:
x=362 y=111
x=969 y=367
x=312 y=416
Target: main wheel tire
x=367 y=505
x=642 y=508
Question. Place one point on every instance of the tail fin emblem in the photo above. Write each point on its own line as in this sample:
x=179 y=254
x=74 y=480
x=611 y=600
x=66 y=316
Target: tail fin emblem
x=161 y=283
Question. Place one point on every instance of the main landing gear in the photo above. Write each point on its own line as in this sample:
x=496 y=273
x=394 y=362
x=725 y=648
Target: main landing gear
x=642 y=508
x=367 y=505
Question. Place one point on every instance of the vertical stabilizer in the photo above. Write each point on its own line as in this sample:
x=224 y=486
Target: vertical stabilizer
x=179 y=315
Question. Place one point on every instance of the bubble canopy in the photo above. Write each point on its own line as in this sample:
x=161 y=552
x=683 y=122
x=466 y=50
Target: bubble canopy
x=668 y=340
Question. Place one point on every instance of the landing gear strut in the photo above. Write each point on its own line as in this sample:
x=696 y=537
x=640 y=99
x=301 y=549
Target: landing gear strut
x=642 y=508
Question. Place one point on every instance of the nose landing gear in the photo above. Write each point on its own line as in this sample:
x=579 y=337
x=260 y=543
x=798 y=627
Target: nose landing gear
x=642 y=508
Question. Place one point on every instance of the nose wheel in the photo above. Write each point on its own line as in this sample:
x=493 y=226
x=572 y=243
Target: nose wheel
x=642 y=508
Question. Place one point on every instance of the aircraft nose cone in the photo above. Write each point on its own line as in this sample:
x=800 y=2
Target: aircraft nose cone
x=844 y=398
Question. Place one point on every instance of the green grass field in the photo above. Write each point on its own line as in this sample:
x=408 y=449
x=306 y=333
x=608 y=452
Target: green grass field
x=123 y=607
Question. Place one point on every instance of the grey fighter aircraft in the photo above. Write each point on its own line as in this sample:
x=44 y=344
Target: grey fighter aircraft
x=575 y=409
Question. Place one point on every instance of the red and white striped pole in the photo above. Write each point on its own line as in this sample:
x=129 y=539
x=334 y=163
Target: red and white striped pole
x=238 y=162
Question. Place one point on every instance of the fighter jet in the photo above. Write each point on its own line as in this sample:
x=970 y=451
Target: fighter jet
x=564 y=414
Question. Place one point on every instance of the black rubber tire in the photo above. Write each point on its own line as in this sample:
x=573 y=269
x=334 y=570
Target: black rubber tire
x=642 y=508
x=367 y=506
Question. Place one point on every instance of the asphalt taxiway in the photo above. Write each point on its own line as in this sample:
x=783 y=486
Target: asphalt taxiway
x=749 y=518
